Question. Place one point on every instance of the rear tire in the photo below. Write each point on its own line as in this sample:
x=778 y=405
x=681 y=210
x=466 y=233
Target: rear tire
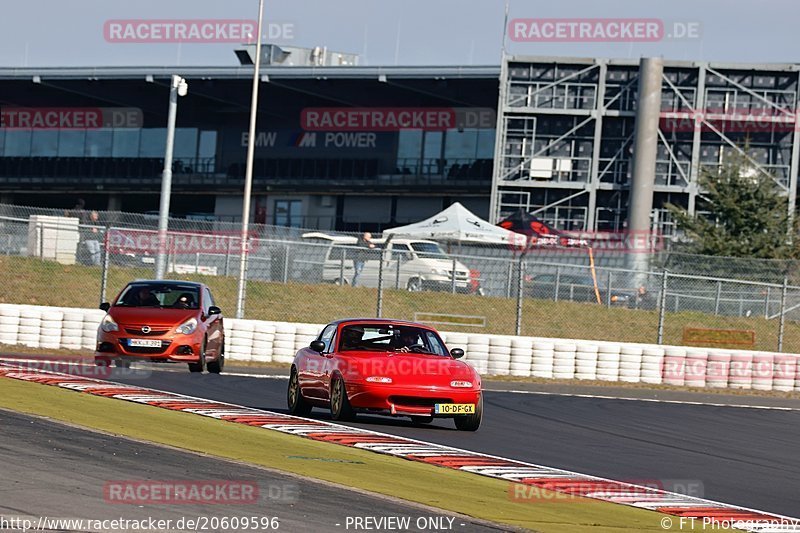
x=340 y=404
x=471 y=422
x=298 y=405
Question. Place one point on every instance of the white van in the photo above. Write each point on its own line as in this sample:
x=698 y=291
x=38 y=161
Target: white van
x=412 y=264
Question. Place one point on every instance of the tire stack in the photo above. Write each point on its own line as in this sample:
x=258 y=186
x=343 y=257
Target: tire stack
x=652 y=364
x=72 y=329
x=630 y=363
x=50 y=329
x=718 y=369
x=9 y=324
x=305 y=333
x=543 y=359
x=263 y=342
x=586 y=361
x=30 y=326
x=741 y=373
x=460 y=340
x=674 y=365
x=239 y=336
x=763 y=369
x=499 y=355
x=521 y=356
x=608 y=361
x=785 y=371
x=696 y=365
x=564 y=360
x=283 y=346
x=477 y=353
x=91 y=321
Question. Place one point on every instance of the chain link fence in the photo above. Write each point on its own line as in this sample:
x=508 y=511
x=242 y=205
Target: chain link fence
x=78 y=261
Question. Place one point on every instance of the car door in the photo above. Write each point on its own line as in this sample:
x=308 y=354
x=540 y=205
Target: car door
x=312 y=372
x=397 y=271
x=214 y=328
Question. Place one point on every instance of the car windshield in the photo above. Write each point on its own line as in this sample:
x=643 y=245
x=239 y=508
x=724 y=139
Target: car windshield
x=390 y=338
x=428 y=250
x=162 y=295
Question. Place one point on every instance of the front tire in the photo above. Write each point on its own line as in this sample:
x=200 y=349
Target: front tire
x=201 y=364
x=340 y=404
x=471 y=422
x=216 y=367
x=414 y=285
x=298 y=405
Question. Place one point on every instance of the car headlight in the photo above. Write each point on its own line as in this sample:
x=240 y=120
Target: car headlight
x=379 y=379
x=188 y=327
x=461 y=384
x=108 y=325
x=440 y=272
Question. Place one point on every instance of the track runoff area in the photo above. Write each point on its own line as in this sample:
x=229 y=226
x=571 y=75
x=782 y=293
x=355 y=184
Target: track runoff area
x=526 y=479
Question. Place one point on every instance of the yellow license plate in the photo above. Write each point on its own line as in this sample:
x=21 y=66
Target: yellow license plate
x=454 y=408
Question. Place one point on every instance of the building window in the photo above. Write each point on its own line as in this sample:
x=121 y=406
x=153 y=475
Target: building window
x=18 y=143
x=44 y=143
x=126 y=143
x=289 y=213
x=71 y=143
x=98 y=143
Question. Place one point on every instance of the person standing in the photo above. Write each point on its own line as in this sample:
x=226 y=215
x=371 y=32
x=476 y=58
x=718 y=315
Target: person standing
x=362 y=255
x=92 y=235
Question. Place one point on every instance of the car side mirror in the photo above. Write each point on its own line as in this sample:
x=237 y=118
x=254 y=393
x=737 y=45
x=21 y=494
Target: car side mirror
x=214 y=310
x=317 y=346
x=457 y=353
x=105 y=306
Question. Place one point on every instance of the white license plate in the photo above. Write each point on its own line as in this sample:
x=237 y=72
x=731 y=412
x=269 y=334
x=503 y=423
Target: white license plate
x=145 y=343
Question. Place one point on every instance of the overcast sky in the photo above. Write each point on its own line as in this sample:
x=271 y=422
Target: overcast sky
x=406 y=32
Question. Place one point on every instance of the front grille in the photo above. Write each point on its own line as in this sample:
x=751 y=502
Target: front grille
x=414 y=401
x=153 y=332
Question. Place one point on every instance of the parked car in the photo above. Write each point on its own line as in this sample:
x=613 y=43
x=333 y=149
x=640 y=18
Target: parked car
x=413 y=264
x=162 y=321
x=385 y=367
x=574 y=288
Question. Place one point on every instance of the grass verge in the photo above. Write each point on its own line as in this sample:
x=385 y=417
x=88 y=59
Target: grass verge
x=417 y=482
x=33 y=281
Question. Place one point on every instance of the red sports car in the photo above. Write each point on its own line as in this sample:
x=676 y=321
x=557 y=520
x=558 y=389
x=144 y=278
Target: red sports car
x=385 y=367
x=162 y=321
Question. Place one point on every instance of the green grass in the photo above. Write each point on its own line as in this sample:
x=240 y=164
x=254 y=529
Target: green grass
x=32 y=281
x=443 y=488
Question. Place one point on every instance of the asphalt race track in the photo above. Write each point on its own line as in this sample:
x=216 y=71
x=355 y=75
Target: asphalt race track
x=57 y=471
x=741 y=456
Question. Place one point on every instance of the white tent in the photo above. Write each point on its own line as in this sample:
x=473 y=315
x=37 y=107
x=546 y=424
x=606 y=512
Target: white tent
x=458 y=224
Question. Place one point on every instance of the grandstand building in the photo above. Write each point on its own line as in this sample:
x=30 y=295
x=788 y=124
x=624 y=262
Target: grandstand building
x=361 y=147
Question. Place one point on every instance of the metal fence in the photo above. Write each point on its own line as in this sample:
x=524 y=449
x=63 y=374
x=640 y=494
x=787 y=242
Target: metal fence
x=51 y=259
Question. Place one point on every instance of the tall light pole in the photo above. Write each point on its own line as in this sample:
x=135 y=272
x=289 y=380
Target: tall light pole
x=178 y=87
x=248 y=173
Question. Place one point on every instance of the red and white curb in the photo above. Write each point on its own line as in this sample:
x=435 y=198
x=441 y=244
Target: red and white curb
x=541 y=477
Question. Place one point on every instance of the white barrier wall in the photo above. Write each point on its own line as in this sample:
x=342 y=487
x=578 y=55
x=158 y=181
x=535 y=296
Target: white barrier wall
x=262 y=341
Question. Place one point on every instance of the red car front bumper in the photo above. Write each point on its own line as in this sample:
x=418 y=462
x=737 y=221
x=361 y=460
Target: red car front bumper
x=407 y=401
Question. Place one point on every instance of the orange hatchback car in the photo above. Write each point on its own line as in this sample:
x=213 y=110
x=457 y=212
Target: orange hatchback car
x=162 y=321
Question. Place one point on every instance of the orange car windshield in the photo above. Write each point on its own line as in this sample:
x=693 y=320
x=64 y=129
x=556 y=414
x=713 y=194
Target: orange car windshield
x=165 y=296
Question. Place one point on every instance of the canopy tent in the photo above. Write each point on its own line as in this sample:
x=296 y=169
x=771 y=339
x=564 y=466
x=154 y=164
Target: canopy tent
x=458 y=224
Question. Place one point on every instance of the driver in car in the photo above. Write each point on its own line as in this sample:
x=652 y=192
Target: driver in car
x=408 y=340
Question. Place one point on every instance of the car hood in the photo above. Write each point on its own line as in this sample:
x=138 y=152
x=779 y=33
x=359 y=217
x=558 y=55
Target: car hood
x=408 y=368
x=151 y=316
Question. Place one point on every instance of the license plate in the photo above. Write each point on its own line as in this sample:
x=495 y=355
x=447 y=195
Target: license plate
x=454 y=408
x=145 y=343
